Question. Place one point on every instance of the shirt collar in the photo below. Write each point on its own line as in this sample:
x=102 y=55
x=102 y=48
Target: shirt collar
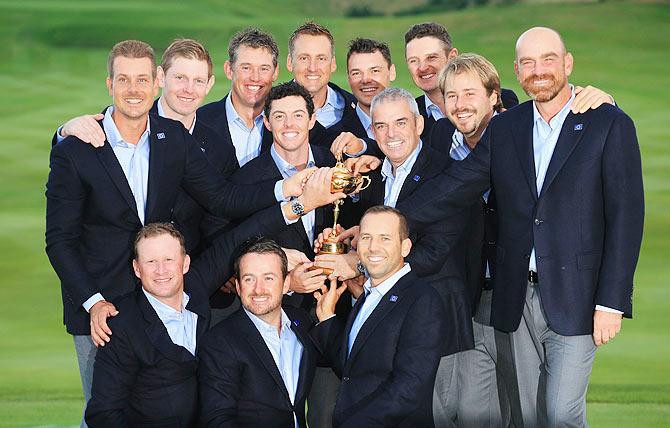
x=406 y=167
x=457 y=139
x=388 y=283
x=432 y=109
x=286 y=168
x=333 y=99
x=560 y=116
x=232 y=116
x=112 y=132
x=165 y=311
x=366 y=120
x=161 y=113
x=264 y=327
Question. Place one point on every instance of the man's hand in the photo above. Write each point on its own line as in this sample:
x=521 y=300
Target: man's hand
x=293 y=186
x=362 y=164
x=229 y=287
x=346 y=142
x=344 y=265
x=295 y=257
x=99 y=313
x=589 y=98
x=303 y=280
x=316 y=192
x=86 y=128
x=327 y=298
x=355 y=285
x=606 y=325
x=352 y=233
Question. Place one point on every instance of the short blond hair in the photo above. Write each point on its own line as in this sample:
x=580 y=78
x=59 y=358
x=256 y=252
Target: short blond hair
x=475 y=65
x=188 y=49
x=131 y=49
x=152 y=230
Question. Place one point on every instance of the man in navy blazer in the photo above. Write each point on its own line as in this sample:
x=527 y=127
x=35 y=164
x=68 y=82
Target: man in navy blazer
x=388 y=349
x=570 y=213
x=256 y=367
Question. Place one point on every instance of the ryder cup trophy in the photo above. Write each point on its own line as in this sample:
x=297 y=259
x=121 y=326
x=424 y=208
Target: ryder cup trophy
x=343 y=181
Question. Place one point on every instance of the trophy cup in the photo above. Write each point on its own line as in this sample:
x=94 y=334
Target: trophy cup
x=345 y=182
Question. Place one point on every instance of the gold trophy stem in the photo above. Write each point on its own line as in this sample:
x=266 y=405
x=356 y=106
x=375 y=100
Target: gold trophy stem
x=336 y=214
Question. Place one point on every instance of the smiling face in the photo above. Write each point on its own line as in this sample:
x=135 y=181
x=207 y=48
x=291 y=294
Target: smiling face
x=368 y=75
x=542 y=64
x=426 y=58
x=289 y=122
x=160 y=265
x=132 y=87
x=312 y=62
x=468 y=105
x=251 y=76
x=397 y=129
x=380 y=247
x=261 y=284
x=185 y=85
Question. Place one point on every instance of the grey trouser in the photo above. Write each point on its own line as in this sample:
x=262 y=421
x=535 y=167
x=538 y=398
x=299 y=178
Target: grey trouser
x=86 y=351
x=445 y=392
x=479 y=402
x=321 y=399
x=546 y=374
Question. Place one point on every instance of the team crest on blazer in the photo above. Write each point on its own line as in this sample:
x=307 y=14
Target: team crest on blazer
x=160 y=136
x=579 y=127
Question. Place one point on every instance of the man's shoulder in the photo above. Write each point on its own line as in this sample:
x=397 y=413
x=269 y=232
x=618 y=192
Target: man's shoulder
x=606 y=113
x=416 y=288
x=322 y=156
x=255 y=170
x=212 y=109
x=127 y=320
x=230 y=330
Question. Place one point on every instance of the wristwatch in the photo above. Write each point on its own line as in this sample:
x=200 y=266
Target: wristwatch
x=297 y=207
x=361 y=268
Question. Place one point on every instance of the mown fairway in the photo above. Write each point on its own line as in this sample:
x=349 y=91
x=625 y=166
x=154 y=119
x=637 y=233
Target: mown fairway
x=53 y=67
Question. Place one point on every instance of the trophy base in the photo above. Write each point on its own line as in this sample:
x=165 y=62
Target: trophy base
x=330 y=247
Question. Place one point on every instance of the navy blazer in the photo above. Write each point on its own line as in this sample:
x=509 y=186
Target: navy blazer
x=585 y=223
x=214 y=116
x=324 y=137
x=92 y=215
x=196 y=224
x=507 y=96
x=439 y=251
x=240 y=384
x=388 y=378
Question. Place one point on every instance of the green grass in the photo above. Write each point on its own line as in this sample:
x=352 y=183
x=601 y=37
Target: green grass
x=53 y=67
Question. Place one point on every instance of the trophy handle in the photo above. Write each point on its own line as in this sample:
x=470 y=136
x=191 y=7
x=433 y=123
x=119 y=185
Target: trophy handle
x=366 y=184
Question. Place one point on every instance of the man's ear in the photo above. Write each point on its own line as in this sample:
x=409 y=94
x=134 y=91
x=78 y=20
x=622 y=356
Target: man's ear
x=160 y=75
x=406 y=246
x=210 y=84
x=187 y=264
x=228 y=69
x=136 y=268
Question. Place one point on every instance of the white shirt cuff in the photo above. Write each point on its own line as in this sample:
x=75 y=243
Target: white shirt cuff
x=606 y=309
x=279 y=191
x=59 y=138
x=92 y=301
x=332 y=316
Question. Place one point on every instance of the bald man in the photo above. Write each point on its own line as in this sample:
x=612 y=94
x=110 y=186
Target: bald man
x=570 y=210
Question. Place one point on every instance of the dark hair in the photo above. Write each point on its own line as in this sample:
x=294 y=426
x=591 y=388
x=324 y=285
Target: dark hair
x=288 y=89
x=152 y=230
x=361 y=45
x=403 y=229
x=189 y=49
x=253 y=38
x=310 y=28
x=429 y=29
x=131 y=49
x=261 y=245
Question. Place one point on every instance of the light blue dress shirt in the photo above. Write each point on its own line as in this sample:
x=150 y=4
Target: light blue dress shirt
x=286 y=351
x=287 y=170
x=133 y=158
x=393 y=183
x=374 y=296
x=332 y=110
x=432 y=109
x=545 y=137
x=161 y=113
x=181 y=326
x=247 y=141
x=366 y=121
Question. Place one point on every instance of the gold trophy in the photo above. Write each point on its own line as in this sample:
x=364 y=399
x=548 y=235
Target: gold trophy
x=342 y=181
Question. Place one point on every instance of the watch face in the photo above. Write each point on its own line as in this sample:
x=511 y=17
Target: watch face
x=297 y=208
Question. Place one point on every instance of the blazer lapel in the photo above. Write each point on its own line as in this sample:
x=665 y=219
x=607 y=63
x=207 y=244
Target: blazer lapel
x=347 y=329
x=414 y=178
x=571 y=133
x=156 y=156
x=305 y=360
x=158 y=334
x=115 y=172
x=522 y=133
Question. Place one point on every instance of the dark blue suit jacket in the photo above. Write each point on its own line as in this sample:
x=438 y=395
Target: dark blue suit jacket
x=240 y=384
x=438 y=251
x=388 y=378
x=214 y=116
x=141 y=378
x=92 y=216
x=585 y=223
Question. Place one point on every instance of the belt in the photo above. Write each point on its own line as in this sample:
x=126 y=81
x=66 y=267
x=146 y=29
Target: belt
x=532 y=277
x=488 y=284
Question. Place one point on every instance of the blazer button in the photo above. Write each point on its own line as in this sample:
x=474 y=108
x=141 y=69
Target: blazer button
x=526 y=256
x=538 y=222
x=345 y=379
